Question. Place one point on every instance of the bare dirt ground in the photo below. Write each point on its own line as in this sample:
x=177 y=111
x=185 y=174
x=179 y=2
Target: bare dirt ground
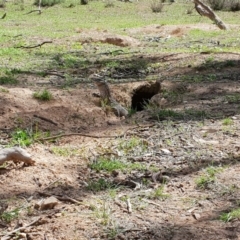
x=167 y=151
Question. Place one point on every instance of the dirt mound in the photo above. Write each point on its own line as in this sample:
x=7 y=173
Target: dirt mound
x=89 y=36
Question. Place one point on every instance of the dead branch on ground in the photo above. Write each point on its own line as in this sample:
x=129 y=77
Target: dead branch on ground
x=37 y=10
x=35 y=46
x=206 y=11
x=8 y=235
x=45 y=119
x=89 y=135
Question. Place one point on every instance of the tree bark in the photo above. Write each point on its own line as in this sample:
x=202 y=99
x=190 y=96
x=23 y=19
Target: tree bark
x=206 y=11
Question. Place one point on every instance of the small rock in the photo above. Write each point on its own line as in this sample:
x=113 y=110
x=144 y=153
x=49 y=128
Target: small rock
x=165 y=151
x=48 y=203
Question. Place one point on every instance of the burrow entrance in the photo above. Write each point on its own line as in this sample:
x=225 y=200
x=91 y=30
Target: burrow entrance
x=142 y=95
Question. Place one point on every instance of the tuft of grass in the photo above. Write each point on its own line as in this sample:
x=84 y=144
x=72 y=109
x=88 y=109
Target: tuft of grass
x=131 y=111
x=132 y=144
x=104 y=164
x=44 y=95
x=227 y=217
x=4 y=90
x=99 y=185
x=25 y=138
x=227 y=122
x=64 y=151
x=235 y=98
x=21 y=138
x=8 y=216
x=207 y=177
x=159 y=194
x=203 y=181
x=7 y=78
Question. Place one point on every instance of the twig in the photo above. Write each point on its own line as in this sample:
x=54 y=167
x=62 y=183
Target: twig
x=35 y=46
x=129 y=206
x=8 y=235
x=52 y=183
x=74 y=134
x=61 y=198
x=153 y=203
x=54 y=74
x=4 y=15
x=37 y=10
x=45 y=119
x=91 y=136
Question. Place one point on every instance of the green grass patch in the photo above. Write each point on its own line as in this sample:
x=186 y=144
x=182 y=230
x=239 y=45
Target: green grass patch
x=100 y=185
x=64 y=151
x=227 y=217
x=24 y=138
x=158 y=193
x=131 y=144
x=233 y=98
x=4 y=90
x=227 y=122
x=208 y=176
x=8 y=216
x=108 y=165
x=43 y=95
x=187 y=114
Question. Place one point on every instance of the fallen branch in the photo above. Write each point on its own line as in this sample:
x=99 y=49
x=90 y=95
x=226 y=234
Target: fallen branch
x=16 y=154
x=74 y=134
x=35 y=46
x=37 y=10
x=45 y=119
x=206 y=11
x=61 y=198
x=129 y=206
x=89 y=135
x=8 y=235
x=4 y=15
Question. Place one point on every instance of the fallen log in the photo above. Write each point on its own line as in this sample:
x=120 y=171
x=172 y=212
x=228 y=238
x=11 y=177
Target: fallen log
x=206 y=11
x=15 y=154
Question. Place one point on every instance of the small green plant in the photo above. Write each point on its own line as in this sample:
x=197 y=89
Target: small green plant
x=7 y=77
x=99 y=185
x=44 y=95
x=158 y=194
x=207 y=177
x=130 y=144
x=4 y=90
x=108 y=165
x=227 y=217
x=227 y=122
x=64 y=151
x=8 y=216
x=21 y=137
x=235 y=98
x=25 y=138
x=203 y=181
x=212 y=171
x=157 y=6
x=164 y=114
x=131 y=111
